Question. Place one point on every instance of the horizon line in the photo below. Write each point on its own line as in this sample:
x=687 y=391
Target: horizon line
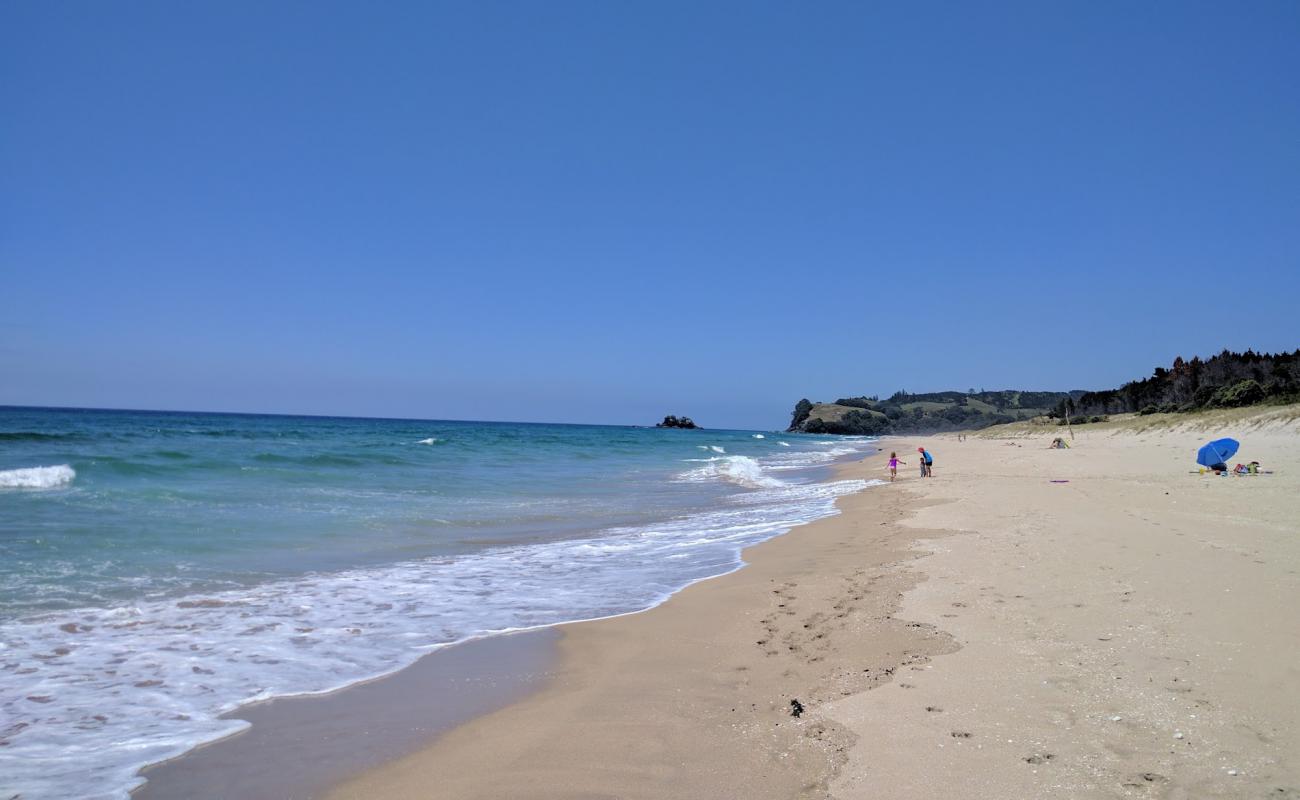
x=7 y=406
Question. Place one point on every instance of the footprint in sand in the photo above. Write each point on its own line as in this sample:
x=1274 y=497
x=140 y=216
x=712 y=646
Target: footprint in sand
x=1144 y=780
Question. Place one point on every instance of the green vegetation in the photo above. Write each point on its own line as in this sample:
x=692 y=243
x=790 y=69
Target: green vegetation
x=801 y=411
x=922 y=413
x=1228 y=380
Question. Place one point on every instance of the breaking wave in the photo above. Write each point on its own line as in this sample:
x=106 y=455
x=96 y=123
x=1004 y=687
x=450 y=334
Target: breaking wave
x=37 y=477
x=209 y=654
x=740 y=470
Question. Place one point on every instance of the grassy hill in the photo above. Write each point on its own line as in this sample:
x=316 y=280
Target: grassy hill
x=1225 y=381
x=923 y=413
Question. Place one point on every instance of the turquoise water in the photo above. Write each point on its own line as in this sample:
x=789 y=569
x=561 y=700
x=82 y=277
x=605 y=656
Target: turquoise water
x=158 y=569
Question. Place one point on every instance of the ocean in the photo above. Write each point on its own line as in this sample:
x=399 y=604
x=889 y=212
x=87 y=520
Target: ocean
x=158 y=569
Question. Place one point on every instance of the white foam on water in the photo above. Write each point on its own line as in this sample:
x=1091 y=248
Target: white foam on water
x=759 y=436
x=784 y=444
x=89 y=696
x=740 y=470
x=430 y=440
x=809 y=458
x=37 y=477
x=716 y=449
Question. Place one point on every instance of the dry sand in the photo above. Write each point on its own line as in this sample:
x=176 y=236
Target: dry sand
x=1128 y=633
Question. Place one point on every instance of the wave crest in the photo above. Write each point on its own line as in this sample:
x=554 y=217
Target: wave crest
x=740 y=470
x=37 y=477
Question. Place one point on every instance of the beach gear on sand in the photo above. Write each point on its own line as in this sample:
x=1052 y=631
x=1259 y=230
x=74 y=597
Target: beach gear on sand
x=1217 y=453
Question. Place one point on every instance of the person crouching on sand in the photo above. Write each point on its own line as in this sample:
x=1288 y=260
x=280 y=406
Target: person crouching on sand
x=893 y=466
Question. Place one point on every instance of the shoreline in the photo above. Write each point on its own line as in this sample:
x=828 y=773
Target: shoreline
x=379 y=708
x=1092 y=622
x=300 y=745
x=635 y=699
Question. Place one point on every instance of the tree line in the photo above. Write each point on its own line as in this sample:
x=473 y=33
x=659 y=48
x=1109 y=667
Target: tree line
x=1227 y=380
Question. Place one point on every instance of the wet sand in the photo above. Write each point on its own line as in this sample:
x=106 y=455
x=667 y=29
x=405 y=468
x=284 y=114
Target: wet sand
x=299 y=746
x=1129 y=632
x=695 y=698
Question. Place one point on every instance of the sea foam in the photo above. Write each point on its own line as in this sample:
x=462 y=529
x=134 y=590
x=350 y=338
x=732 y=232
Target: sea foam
x=136 y=684
x=37 y=477
x=740 y=470
x=118 y=665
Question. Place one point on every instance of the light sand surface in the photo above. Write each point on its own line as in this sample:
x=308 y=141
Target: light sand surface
x=1129 y=633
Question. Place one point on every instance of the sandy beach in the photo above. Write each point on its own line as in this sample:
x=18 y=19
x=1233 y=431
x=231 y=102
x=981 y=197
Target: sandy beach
x=1091 y=622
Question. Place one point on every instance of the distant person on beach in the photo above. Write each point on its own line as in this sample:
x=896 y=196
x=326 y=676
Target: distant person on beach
x=927 y=463
x=893 y=466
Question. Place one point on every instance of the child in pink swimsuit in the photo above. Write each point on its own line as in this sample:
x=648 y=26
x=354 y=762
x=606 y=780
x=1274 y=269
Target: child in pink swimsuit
x=893 y=466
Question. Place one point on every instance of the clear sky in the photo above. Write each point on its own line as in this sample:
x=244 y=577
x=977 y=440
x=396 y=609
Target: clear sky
x=608 y=211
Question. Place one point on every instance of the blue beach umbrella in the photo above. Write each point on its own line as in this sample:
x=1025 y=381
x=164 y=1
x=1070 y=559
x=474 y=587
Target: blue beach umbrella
x=1217 y=452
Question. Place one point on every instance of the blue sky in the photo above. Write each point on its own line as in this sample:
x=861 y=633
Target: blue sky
x=605 y=212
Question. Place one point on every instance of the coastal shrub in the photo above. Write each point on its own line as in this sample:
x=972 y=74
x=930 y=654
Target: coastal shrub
x=1203 y=396
x=860 y=423
x=904 y=412
x=1242 y=393
x=1146 y=410
x=855 y=402
x=801 y=411
x=1193 y=384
